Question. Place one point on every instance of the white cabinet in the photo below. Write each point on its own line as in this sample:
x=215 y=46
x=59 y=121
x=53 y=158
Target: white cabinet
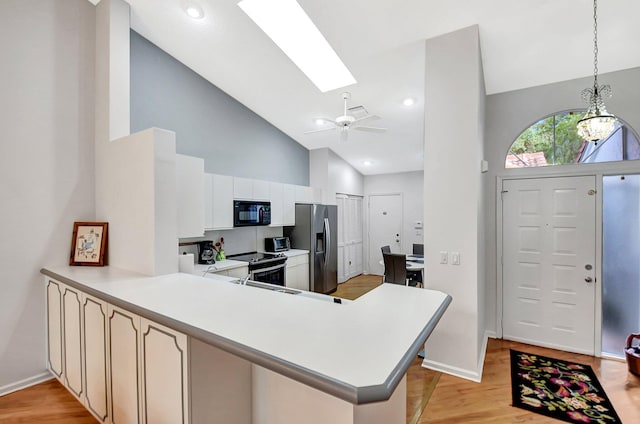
x=261 y=190
x=72 y=336
x=77 y=342
x=242 y=188
x=124 y=363
x=164 y=374
x=250 y=189
x=297 y=272
x=239 y=272
x=277 y=204
x=288 y=204
x=304 y=194
x=350 y=236
x=190 y=202
x=94 y=312
x=54 y=327
x=218 y=201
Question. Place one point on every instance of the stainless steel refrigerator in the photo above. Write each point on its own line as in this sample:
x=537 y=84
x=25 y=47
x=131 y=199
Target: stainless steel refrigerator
x=316 y=230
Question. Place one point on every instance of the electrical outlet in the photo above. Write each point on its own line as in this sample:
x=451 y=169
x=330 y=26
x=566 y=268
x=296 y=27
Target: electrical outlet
x=444 y=257
x=455 y=258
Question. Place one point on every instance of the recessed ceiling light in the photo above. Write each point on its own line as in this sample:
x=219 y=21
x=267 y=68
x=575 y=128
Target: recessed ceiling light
x=320 y=121
x=194 y=11
x=367 y=163
x=288 y=25
x=408 y=101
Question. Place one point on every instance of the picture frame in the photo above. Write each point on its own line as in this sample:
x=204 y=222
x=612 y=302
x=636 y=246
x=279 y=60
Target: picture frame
x=89 y=244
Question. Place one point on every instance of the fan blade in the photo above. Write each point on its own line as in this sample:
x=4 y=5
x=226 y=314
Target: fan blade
x=320 y=130
x=370 y=129
x=366 y=118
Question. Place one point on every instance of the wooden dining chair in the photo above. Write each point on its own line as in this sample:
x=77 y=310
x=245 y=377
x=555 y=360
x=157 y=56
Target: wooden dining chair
x=385 y=249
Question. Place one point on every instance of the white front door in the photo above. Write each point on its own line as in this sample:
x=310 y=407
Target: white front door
x=549 y=262
x=385 y=228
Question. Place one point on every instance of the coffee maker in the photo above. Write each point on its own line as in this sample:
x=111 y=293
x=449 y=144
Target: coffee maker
x=206 y=252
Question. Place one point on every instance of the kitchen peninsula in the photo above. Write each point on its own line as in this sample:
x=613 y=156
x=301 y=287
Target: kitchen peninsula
x=183 y=348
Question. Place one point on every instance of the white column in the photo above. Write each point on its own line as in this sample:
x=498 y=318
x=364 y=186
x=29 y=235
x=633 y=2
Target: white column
x=454 y=115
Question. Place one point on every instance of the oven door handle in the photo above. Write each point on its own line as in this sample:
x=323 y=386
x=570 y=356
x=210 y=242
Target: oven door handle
x=272 y=268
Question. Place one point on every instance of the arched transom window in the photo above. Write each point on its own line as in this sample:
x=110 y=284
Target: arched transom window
x=554 y=140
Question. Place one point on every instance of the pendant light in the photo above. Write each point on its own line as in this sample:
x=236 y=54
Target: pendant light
x=596 y=124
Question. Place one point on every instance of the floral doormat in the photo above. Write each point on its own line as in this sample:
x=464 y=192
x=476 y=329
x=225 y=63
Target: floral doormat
x=563 y=390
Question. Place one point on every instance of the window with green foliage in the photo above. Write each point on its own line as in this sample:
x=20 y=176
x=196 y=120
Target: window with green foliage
x=554 y=140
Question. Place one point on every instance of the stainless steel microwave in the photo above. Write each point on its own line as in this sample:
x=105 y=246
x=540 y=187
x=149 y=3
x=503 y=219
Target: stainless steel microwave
x=248 y=213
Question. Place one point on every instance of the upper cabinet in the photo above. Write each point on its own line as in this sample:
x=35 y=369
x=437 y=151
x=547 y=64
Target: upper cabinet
x=218 y=201
x=190 y=186
x=249 y=189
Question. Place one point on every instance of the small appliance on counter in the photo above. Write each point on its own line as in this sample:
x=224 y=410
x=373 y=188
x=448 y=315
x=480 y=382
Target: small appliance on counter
x=277 y=244
x=206 y=252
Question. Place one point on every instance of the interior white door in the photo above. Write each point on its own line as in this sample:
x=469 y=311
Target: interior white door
x=549 y=262
x=385 y=228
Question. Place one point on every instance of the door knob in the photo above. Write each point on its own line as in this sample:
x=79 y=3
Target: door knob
x=588 y=279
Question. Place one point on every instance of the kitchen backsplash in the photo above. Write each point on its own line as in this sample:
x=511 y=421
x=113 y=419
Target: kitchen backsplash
x=237 y=240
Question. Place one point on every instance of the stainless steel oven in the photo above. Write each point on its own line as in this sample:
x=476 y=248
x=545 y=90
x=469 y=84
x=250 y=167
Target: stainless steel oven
x=275 y=274
x=265 y=267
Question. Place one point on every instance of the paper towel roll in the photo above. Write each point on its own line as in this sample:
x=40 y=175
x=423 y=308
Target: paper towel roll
x=186 y=263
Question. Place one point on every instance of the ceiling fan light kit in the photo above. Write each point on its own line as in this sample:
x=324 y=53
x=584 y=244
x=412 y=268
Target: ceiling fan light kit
x=596 y=124
x=348 y=121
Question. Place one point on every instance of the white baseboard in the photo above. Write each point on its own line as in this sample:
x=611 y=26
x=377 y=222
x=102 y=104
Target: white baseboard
x=473 y=375
x=27 y=382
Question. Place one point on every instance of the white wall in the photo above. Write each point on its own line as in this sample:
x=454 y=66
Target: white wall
x=452 y=193
x=46 y=165
x=411 y=186
x=333 y=174
x=508 y=114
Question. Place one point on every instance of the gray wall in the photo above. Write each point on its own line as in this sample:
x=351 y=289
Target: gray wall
x=46 y=165
x=208 y=123
x=508 y=114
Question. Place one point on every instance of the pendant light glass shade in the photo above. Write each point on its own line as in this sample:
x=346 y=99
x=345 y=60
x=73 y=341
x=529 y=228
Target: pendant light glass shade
x=596 y=124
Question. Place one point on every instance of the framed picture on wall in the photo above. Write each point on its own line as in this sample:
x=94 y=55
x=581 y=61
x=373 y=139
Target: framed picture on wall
x=89 y=244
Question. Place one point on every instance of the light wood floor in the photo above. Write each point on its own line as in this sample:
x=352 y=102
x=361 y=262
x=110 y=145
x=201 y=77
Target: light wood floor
x=454 y=400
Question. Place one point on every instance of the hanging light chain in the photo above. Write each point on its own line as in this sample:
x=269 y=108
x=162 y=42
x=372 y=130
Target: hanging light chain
x=595 y=44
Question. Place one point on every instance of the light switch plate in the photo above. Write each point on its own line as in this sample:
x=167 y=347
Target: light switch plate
x=455 y=258
x=444 y=257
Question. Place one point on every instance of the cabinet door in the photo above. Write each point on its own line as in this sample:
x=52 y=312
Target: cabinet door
x=304 y=194
x=54 y=326
x=222 y=201
x=72 y=336
x=242 y=188
x=260 y=190
x=208 y=201
x=288 y=204
x=124 y=360
x=190 y=199
x=240 y=272
x=277 y=203
x=302 y=274
x=95 y=357
x=165 y=371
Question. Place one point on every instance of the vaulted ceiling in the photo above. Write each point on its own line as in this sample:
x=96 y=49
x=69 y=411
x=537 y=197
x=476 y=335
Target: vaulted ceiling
x=524 y=43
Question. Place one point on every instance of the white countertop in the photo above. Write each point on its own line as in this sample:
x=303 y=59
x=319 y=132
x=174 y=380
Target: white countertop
x=356 y=345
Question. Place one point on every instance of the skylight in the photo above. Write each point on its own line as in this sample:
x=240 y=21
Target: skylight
x=288 y=25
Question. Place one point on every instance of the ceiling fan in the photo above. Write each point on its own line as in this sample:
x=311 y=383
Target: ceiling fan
x=352 y=118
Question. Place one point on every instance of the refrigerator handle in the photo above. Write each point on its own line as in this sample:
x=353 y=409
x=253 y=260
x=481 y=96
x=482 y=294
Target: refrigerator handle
x=327 y=241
